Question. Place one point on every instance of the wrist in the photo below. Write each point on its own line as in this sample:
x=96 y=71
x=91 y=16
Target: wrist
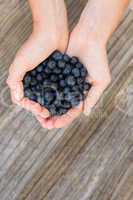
x=86 y=36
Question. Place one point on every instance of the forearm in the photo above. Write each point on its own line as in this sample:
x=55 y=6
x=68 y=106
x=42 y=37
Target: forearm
x=100 y=18
x=47 y=11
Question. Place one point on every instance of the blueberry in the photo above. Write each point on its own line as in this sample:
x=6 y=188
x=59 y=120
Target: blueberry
x=75 y=102
x=40 y=100
x=39 y=68
x=79 y=65
x=44 y=75
x=51 y=64
x=33 y=82
x=54 y=86
x=33 y=72
x=57 y=55
x=74 y=60
x=76 y=72
x=84 y=72
x=44 y=63
x=46 y=83
x=58 y=83
x=47 y=70
x=75 y=88
x=66 y=58
x=80 y=80
x=39 y=77
x=27 y=93
x=81 y=87
x=66 y=90
x=86 y=86
x=66 y=104
x=52 y=110
x=38 y=87
x=54 y=77
x=70 y=80
x=62 y=83
x=67 y=69
x=57 y=70
x=57 y=103
x=61 y=64
x=61 y=76
x=33 y=97
x=49 y=96
x=62 y=111
x=27 y=78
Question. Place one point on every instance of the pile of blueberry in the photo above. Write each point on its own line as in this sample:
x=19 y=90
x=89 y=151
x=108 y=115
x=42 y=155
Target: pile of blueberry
x=58 y=83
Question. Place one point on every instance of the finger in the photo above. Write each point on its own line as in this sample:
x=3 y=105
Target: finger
x=25 y=61
x=35 y=108
x=43 y=122
x=92 y=98
x=64 y=120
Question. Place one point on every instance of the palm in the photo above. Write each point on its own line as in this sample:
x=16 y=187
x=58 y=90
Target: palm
x=94 y=57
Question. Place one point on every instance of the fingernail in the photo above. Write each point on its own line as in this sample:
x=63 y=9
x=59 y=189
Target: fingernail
x=45 y=113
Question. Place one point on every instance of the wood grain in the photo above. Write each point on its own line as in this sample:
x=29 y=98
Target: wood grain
x=92 y=159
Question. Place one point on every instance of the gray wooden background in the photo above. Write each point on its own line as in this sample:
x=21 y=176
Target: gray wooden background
x=92 y=159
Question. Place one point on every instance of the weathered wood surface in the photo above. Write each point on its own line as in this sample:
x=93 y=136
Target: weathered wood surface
x=92 y=159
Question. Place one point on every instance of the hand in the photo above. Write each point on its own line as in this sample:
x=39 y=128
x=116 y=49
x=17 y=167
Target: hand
x=43 y=41
x=93 y=55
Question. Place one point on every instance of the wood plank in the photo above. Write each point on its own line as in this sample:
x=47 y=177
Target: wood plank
x=90 y=159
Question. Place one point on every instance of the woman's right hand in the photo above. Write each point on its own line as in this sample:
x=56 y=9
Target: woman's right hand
x=49 y=34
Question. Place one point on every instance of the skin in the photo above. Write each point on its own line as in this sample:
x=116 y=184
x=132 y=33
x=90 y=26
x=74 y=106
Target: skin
x=90 y=38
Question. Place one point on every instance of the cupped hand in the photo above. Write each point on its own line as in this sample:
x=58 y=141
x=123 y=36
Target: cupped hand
x=92 y=53
x=43 y=41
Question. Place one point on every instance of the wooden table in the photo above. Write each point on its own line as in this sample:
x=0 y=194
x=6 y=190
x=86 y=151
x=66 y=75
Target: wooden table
x=92 y=159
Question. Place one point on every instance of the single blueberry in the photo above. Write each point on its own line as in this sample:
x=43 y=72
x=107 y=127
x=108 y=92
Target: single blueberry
x=87 y=86
x=54 y=77
x=27 y=93
x=27 y=79
x=44 y=63
x=57 y=70
x=40 y=100
x=62 y=83
x=52 y=110
x=33 y=72
x=67 y=69
x=33 y=82
x=79 y=65
x=33 y=97
x=51 y=64
x=47 y=70
x=62 y=111
x=80 y=80
x=61 y=64
x=66 y=58
x=39 y=77
x=61 y=76
x=57 y=55
x=74 y=60
x=70 y=80
x=46 y=83
x=66 y=90
x=49 y=96
x=75 y=102
x=76 y=72
x=83 y=72
x=39 y=68
x=66 y=104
